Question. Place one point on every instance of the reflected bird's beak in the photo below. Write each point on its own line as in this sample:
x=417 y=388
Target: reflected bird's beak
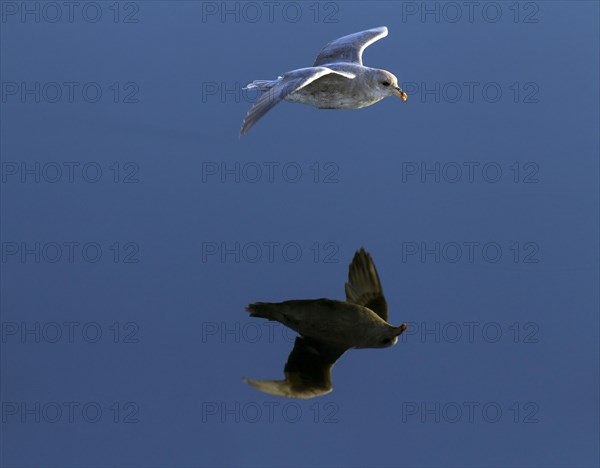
x=401 y=94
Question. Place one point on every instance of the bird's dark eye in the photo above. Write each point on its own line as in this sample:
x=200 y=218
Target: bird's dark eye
x=386 y=83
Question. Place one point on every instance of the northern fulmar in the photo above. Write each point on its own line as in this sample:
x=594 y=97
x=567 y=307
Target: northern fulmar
x=328 y=328
x=337 y=80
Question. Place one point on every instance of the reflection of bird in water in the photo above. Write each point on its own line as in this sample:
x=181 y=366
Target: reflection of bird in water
x=328 y=328
x=337 y=80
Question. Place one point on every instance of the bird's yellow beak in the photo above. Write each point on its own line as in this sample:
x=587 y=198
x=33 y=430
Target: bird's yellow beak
x=401 y=94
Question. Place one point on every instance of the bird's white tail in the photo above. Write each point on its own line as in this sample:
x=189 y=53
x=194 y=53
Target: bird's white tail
x=263 y=85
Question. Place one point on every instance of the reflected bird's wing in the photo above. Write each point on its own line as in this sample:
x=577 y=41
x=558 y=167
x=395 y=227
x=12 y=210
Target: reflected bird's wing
x=307 y=371
x=290 y=82
x=363 y=286
x=350 y=48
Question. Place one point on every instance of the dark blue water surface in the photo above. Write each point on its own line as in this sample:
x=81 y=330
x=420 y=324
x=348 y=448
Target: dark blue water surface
x=137 y=225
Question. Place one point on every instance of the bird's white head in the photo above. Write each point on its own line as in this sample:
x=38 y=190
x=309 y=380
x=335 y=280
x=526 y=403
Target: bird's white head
x=386 y=84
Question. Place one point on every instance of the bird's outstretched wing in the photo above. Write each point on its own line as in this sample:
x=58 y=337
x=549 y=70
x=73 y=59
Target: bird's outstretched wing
x=290 y=82
x=349 y=48
x=307 y=371
x=363 y=286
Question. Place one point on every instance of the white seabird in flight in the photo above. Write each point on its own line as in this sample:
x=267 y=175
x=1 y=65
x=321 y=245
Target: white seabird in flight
x=337 y=80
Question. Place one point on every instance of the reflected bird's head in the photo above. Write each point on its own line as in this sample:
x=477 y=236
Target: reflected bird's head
x=387 y=339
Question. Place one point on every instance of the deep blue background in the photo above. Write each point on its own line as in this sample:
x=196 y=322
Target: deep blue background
x=177 y=371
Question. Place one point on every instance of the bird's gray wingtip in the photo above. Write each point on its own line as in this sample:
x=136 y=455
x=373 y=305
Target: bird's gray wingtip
x=245 y=127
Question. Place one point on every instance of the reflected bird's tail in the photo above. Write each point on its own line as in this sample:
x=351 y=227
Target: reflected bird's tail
x=264 y=310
